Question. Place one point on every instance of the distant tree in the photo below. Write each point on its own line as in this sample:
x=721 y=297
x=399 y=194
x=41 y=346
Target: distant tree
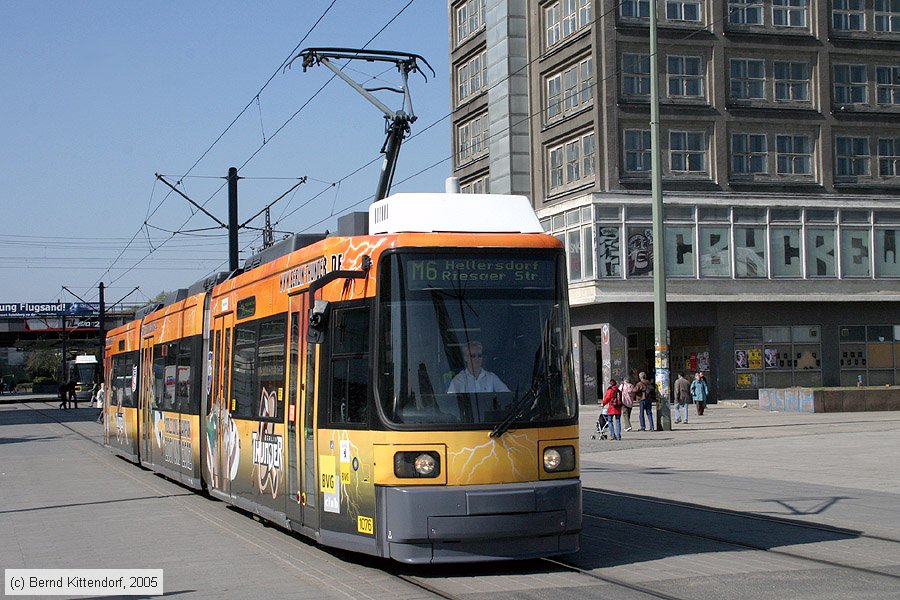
x=42 y=362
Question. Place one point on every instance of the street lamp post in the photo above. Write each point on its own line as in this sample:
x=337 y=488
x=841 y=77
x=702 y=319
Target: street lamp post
x=661 y=332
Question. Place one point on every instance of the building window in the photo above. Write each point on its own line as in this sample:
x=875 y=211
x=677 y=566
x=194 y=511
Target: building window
x=635 y=9
x=848 y=15
x=588 y=154
x=748 y=79
x=887 y=16
x=471 y=77
x=749 y=154
x=554 y=96
x=685 y=75
x=571 y=89
x=551 y=18
x=750 y=252
x=680 y=253
x=786 y=243
x=687 y=151
x=684 y=10
x=635 y=74
x=482 y=185
x=469 y=19
x=745 y=12
x=556 y=168
x=472 y=139
x=789 y=13
x=566 y=17
x=887 y=85
x=870 y=354
x=794 y=155
x=851 y=156
x=791 y=81
x=777 y=357
x=637 y=151
x=609 y=250
x=856 y=255
x=889 y=157
x=820 y=252
x=572 y=162
x=576 y=231
x=887 y=245
x=715 y=253
x=850 y=84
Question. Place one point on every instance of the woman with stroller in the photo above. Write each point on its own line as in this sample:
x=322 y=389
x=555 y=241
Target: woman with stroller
x=612 y=400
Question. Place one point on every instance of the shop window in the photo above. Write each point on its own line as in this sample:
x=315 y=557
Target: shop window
x=640 y=250
x=680 y=250
x=715 y=254
x=786 y=243
x=776 y=357
x=609 y=251
x=820 y=254
x=869 y=354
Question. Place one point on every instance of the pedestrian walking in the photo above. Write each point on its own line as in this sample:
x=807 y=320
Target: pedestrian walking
x=99 y=400
x=627 y=390
x=645 y=393
x=70 y=389
x=699 y=392
x=682 y=396
x=612 y=401
x=63 y=395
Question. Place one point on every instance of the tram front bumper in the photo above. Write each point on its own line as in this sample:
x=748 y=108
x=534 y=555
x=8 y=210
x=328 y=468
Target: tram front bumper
x=485 y=522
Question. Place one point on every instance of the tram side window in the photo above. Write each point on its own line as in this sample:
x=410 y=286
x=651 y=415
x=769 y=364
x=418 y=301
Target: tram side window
x=187 y=396
x=165 y=368
x=349 y=370
x=272 y=339
x=258 y=369
x=122 y=374
x=243 y=366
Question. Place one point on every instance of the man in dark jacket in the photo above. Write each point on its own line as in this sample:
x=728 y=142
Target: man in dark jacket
x=682 y=395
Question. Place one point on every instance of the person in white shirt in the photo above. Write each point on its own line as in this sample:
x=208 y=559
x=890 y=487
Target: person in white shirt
x=473 y=378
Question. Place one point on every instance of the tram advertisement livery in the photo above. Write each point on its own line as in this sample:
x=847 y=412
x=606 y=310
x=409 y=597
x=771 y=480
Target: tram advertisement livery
x=401 y=393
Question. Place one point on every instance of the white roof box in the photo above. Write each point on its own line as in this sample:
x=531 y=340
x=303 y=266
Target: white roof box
x=434 y=212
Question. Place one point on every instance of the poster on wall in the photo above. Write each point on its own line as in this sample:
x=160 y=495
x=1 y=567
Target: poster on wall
x=747 y=380
x=741 y=360
x=702 y=361
x=692 y=362
x=755 y=357
x=771 y=356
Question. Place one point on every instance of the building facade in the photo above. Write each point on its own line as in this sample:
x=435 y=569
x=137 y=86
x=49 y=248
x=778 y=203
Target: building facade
x=780 y=146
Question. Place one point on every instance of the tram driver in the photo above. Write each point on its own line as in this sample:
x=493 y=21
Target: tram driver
x=474 y=378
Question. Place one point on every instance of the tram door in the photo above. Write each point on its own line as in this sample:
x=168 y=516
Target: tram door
x=301 y=499
x=223 y=440
x=144 y=401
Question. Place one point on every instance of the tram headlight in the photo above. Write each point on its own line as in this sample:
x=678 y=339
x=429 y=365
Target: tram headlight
x=558 y=459
x=417 y=464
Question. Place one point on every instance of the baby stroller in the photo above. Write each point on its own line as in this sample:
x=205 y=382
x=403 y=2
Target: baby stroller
x=602 y=427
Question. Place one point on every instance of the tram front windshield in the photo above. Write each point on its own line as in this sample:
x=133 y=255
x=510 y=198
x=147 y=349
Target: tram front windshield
x=475 y=340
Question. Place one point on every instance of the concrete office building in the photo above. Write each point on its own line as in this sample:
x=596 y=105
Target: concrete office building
x=780 y=135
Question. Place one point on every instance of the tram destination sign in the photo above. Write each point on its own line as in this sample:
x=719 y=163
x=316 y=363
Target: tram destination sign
x=488 y=272
x=34 y=309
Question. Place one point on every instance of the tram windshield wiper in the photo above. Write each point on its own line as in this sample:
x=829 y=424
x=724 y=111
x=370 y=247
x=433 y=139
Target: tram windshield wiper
x=530 y=396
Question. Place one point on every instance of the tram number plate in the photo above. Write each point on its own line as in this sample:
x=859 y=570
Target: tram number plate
x=365 y=525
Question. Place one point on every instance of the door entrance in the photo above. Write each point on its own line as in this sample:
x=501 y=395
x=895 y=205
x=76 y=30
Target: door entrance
x=689 y=351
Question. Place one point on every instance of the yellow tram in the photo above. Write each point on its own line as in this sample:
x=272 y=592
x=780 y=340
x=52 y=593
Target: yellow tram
x=405 y=392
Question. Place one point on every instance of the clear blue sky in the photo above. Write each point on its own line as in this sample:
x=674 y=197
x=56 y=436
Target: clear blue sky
x=98 y=96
